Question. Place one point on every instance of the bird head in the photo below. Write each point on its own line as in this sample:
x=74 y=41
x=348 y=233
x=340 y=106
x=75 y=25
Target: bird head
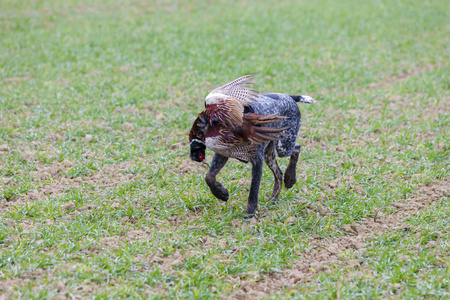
x=197 y=151
x=197 y=138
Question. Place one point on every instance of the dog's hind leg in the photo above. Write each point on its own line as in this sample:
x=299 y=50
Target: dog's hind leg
x=271 y=161
x=218 y=162
x=290 y=176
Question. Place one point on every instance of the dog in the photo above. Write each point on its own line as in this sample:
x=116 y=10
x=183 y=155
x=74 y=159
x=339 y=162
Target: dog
x=240 y=123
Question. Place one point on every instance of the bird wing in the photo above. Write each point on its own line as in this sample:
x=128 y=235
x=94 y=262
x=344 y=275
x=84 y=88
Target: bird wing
x=229 y=112
x=236 y=89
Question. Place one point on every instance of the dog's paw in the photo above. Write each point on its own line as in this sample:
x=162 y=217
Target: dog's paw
x=249 y=213
x=221 y=193
x=273 y=201
x=247 y=216
x=290 y=179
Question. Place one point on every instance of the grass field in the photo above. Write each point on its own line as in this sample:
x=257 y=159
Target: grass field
x=99 y=199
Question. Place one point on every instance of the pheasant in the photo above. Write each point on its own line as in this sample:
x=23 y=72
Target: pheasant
x=240 y=123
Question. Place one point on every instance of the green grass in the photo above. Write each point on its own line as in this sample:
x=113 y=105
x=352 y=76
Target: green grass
x=89 y=209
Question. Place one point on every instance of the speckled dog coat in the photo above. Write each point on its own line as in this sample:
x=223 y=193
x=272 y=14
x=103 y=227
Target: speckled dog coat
x=283 y=105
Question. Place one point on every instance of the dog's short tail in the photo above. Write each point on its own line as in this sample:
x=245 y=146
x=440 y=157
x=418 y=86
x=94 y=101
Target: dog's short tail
x=303 y=98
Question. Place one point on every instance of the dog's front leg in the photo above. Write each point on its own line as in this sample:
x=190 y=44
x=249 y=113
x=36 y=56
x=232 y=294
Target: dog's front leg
x=257 y=169
x=216 y=187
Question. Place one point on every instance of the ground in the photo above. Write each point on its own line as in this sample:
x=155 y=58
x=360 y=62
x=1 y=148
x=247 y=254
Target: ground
x=98 y=196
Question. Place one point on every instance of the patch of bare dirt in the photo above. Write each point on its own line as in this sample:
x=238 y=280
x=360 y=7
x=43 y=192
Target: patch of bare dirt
x=6 y=284
x=325 y=253
x=128 y=126
x=17 y=79
x=402 y=76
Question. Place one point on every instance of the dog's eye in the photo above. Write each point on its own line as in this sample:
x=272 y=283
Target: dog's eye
x=215 y=122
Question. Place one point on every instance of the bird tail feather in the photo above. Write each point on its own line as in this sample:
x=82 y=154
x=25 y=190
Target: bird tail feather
x=257 y=133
